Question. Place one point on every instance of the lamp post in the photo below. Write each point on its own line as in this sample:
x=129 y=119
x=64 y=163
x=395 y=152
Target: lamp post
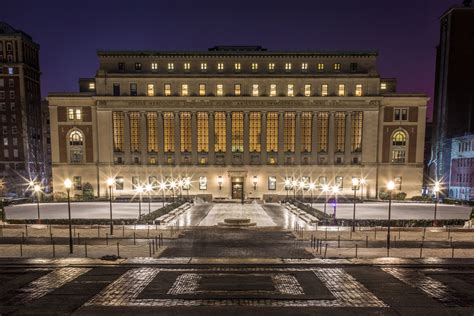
x=37 y=190
x=335 y=189
x=302 y=185
x=311 y=189
x=139 y=190
x=187 y=183
x=325 y=190
x=163 y=188
x=68 y=185
x=110 y=183
x=173 y=188
x=362 y=182
x=180 y=187
x=355 y=184
x=294 y=183
x=148 y=189
x=287 y=187
x=390 y=187
x=436 y=190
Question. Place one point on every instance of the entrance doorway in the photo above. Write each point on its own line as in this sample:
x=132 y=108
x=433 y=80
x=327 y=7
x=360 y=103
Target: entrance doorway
x=237 y=188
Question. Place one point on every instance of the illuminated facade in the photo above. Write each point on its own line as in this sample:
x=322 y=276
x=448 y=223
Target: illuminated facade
x=240 y=114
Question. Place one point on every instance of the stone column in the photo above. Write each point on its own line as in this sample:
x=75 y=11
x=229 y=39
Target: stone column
x=194 y=136
x=177 y=139
x=228 y=138
x=314 y=138
x=159 y=135
x=126 y=138
x=143 y=139
x=298 y=138
x=281 y=152
x=246 y=138
x=263 y=139
x=332 y=139
x=347 y=142
x=212 y=136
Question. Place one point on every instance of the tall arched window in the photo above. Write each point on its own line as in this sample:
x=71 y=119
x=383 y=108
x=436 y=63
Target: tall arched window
x=76 y=147
x=399 y=143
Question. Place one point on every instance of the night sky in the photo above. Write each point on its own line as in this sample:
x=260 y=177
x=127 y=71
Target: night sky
x=404 y=32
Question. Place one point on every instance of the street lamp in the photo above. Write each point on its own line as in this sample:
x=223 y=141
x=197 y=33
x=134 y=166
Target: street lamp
x=180 y=187
x=302 y=184
x=294 y=183
x=110 y=183
x=355 y=184
x=362 y=182
x=187 y=185
x=163 y=188
x=335 y=189
x=37 y=190
x=254 y=182
x=287 y=187
x=390 y=187
x=311 y=188
x=68 y=185
x=436 y=190
x=148 y=189
x=173 y=187
x=139 y=190
x=325 y=190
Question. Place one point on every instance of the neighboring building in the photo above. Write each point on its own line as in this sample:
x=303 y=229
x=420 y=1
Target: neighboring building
x=453 y=114
x=461 y=180
x=21 y=157
x=238 y=115
x=46 y=141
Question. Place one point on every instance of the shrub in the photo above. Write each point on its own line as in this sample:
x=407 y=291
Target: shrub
x=383 y=195
x=87 y=192
x=422 y=198
x=60 y=196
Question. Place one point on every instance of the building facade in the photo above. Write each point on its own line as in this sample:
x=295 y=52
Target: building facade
x=238 y=121
x=461 y=179
x=21 y=155
x=453 y=114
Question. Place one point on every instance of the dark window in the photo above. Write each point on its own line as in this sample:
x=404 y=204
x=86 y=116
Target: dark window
x=138 y=66
x=116 y=89
x=404 y=114
x=353 y=66
x=397 y=115
x=133 y=89
x=121 y=66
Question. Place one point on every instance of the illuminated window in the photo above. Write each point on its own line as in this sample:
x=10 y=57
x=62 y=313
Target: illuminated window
x=187 y=66
x=383 y=86
x=341 y=91
x=203 y=66
x=324 y=90
x=118 y=123
x=237 y=132
x=167 y=89
x=289 y=129
x=255 y=122
x=358 y=90
x=150 y=89
x=203 y=132
x=76 y=147
x=323 y=126
x=220 y=132
x=134 y=131
x=70 y=114
x=273 y=90
x=320 y=66
x=152 y=137
x=237 y=89
x=138 y=66
x=220 y=66
x=287 y=66
x=237 y=66
x=399 y=141
x=304 y=66
x=356 y=131
x=185 y=131
x=307 y=90
x=306 y=127
x=170 y=66
x=91 y=86
x=272 y=132
x=184 y=90
x=254 y=66
x=271 y=66
x=202 y=89
x=291 y=90
x=340 y=126
x=255 y=90
x=337 y=66
x=154 y=66
x=220 y=89
x=168 y=132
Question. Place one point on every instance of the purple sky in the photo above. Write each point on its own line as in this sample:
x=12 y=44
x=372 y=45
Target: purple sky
x=404 y=32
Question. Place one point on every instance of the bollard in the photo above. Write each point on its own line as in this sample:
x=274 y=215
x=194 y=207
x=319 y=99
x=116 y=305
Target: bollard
x=54 y=250
x=85 y=250
x=118 y=249
x=22 y=237
x=123 y=230
x=356 y=250
x=325 y=250
x=21 y=249
x=153 y=244
x=78 y=238
x=134 y=239
x=366 y=241
x=317 y=245
x=149 y=247
x=338 y=241
x=107 y=239
x=156 y=242
x=26 y=230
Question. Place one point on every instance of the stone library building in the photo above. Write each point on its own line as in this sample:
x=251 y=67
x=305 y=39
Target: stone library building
x=238 y=122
